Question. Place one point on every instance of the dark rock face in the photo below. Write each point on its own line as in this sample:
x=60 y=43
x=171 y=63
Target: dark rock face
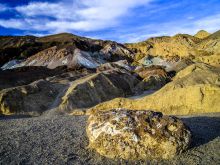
x=32 y=90
x=130 y=134
x=96 y=88
x=30 y=99
x=17 y=47
x=62 y=89
x=25 y=75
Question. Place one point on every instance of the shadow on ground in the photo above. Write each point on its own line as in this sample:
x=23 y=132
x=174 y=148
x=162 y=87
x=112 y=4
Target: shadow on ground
x=204 y=129
x=10 y=117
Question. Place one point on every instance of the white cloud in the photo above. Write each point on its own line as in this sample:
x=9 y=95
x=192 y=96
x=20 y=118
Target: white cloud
x=94 y=15
x=55 y=10
x=210 y=24
x=12 y=23
x=3 y=7
x=84 y=15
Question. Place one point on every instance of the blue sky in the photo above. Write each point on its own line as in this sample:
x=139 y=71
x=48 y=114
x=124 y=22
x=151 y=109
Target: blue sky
x=120 y=20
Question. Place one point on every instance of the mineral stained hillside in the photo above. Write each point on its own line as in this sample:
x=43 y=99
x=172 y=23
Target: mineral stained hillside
x=194 y=90
x=68 y=73
x=126 y=91
x=179 y=46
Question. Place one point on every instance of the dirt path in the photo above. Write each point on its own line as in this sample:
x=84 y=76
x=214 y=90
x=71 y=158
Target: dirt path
x=62 y=140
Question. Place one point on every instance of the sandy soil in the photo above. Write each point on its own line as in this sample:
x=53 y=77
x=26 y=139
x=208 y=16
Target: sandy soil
x=62 y=140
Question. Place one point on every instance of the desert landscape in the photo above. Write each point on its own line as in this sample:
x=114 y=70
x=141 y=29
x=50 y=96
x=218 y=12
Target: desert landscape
x=73 y=99
x=47 y=98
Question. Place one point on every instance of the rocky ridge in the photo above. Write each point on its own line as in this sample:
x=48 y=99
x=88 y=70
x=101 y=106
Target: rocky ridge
x=60 y=49
x=195 y=89
x=67 y=91
x=73 y=73
x=180 y=46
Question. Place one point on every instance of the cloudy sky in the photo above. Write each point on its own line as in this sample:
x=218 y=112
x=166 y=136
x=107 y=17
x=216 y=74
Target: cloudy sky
x=120 y=20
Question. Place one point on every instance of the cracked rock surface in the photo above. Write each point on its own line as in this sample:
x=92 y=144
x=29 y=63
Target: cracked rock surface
x=129 y=134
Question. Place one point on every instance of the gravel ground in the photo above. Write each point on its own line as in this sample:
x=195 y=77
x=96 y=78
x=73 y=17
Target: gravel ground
x=62 y=140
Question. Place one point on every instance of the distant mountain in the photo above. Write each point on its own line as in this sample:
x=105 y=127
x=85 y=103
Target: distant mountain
x=180 y=45
x=56 y=50
x=70 y=50
x=200 y=48
x=202 y=34
x=211 y=44
x=215 y=35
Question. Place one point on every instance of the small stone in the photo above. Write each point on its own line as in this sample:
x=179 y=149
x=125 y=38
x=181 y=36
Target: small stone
x=135 y=135
x=172 y=128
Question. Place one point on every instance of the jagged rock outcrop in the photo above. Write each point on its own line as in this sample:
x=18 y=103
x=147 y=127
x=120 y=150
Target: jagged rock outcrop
x=154 y=77
x=108 y=65
x=74 y=57
x=146 y=72
x=120 y=66
x=96 y=88
x=54 y=57
x=127 y=134
x=112 y=50
x=202 y=34
x=194 y=90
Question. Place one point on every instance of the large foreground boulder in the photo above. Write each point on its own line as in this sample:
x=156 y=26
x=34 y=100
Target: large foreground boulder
x=129 y=134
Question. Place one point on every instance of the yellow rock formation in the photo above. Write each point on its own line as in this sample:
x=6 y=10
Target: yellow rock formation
x=194 y=90
x=202 y=47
